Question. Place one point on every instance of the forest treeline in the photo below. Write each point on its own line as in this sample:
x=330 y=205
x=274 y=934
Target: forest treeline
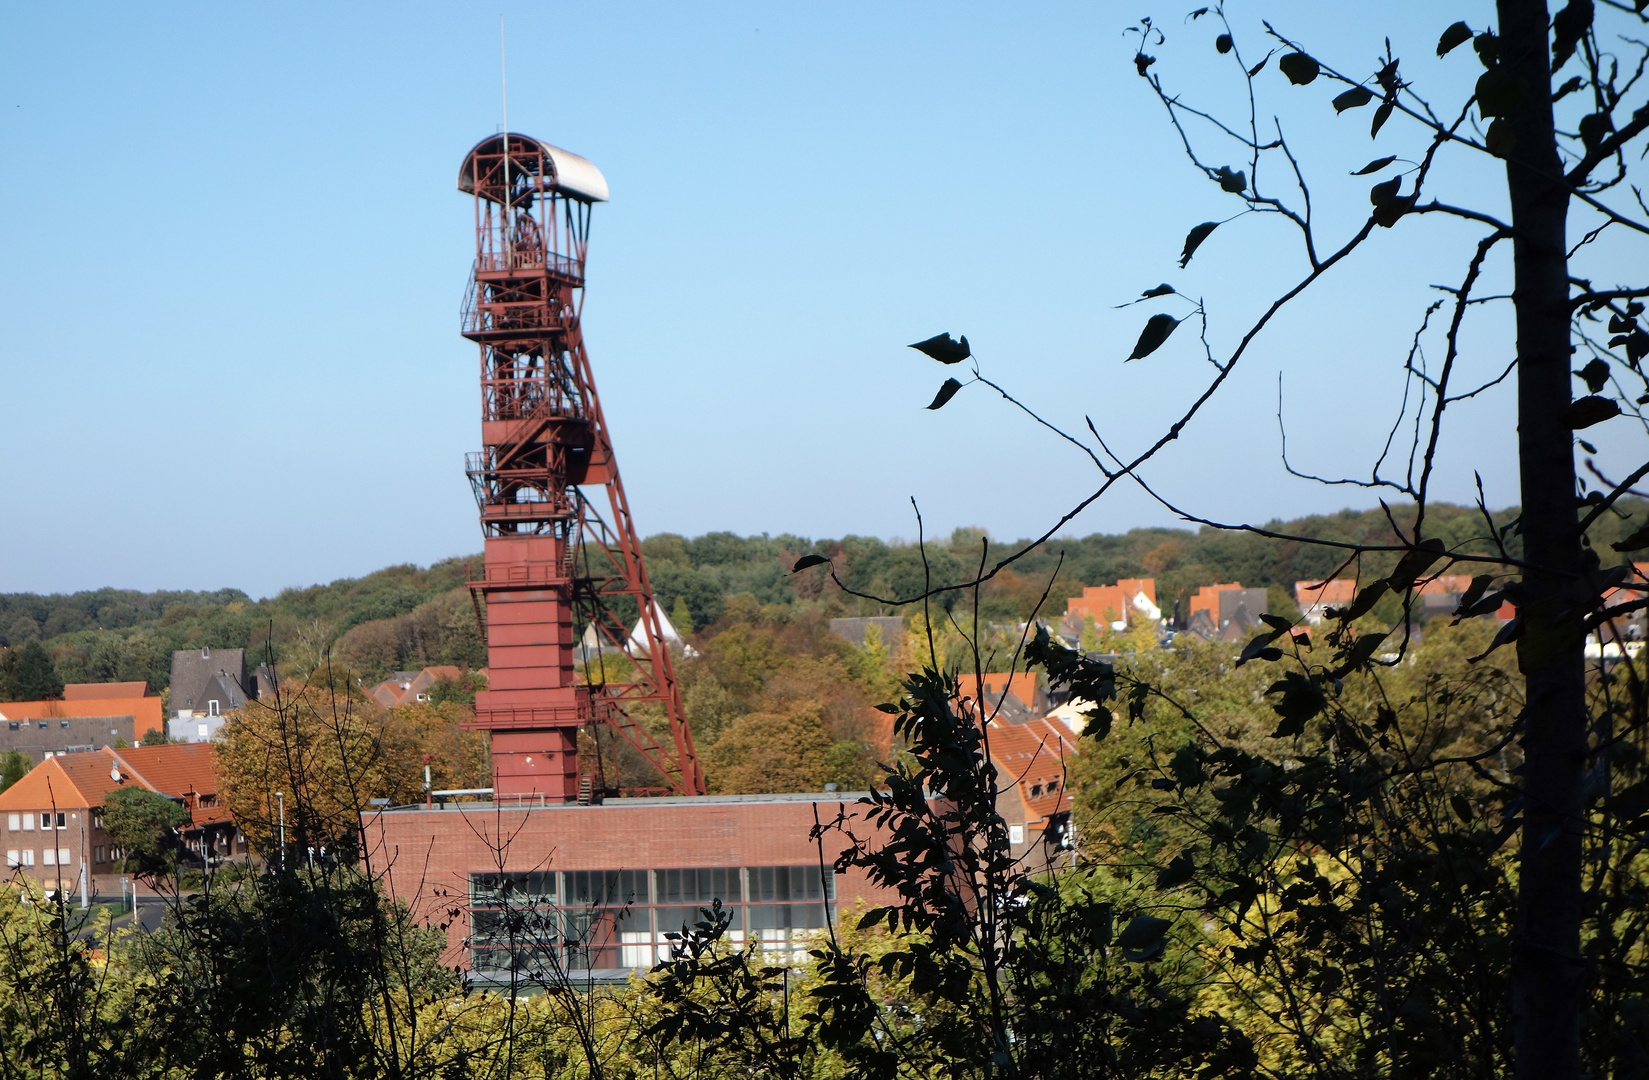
x=406 y=617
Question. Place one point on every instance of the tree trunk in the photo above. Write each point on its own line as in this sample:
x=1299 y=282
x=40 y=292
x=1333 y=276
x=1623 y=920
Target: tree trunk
x=1547 y=971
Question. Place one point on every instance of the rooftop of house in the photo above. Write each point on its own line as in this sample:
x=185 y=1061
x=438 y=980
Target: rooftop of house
x=102 y=691
x=1034 y=756
x=404 y=686
x=85 y=780
x=1337 y=591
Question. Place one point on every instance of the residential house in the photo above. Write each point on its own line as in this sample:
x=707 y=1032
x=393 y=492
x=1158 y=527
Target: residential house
x=1117 y=607
x=1316 y=597
x=89 y=715
x=1032 y=762
x=407 y=687
x=1226 y=612
x=53 y=817
x=1013 y=698
x=206 y=684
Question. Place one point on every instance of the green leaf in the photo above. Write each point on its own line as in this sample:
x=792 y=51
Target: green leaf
x=1177 y=872
x=947 y=390
x=1593 y=409
x=1453 y=38
x=943 y=349
x=1234 y=182
x=1194 y=239
x=1595 y=374
x=1497 y=92
x=806 y=561
x=1223 y=44
x=1375 y=166
x=1355 y=98
x=1300 y=68
x=1156 y=331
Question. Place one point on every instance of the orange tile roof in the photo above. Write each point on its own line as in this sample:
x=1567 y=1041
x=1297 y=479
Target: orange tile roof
x=1445 y=583
x=79 y=780
x=1022 y=684
x=1034 y=753
x=1337 y=592
x=144 y=711
x=176 y=769
x=1207 y=598
x=1112 y=603
x=99 y=691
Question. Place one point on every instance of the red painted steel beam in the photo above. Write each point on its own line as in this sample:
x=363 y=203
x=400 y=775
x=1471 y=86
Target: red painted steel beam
x=553 y=562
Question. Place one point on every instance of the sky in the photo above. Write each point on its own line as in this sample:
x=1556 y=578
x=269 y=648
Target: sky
x=232 y=255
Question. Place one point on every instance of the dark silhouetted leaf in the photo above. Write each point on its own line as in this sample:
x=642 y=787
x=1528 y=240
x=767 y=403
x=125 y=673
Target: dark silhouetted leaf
x=1474 y=592
x=1301 y=699
x=806 y=561
x=1164 y=289
x=1141 y=62
x=1497 y=92
x=1462 y=807
x=1355 y=98
x=1234 y=182
x=947 y=390
x=1500 y=139
x=1415 y=561
x=1381 y=115
x=1568 y=27
x=1223 y=44
x=1638 y=540
x=1180 y=870
x=1359 y=654
x=1387 y=214
x=1595 y=128
x=1589 y=410
x=1454 y=37
x=1384 y=191
x=1568 y=88
x=1488 y=48
x=1596 y=375
x=1194 y=239
x=1508 y=633
x=943 y=349
x=1156 y=331
x=1259 y=67
x=1299 y=68
x=1197 y=14
x=1367 y=597
x=1586 y=446
x=1374 y=166
x=1142 y=931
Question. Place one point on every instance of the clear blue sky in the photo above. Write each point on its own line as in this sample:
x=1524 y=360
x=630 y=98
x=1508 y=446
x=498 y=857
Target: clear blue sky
x=231 y=258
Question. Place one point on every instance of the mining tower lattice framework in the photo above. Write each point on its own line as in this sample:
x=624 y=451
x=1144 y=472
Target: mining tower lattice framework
x=555 y=564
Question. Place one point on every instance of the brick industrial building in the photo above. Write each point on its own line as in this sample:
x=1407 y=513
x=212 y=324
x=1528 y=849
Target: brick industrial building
x=605 y=883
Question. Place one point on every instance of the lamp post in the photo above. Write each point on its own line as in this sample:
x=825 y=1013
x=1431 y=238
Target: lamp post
x=280 y=798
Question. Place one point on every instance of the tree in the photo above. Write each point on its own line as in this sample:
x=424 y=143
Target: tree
x=13 y=767
x=140 y=820
x=36 y=678
x=155 y=737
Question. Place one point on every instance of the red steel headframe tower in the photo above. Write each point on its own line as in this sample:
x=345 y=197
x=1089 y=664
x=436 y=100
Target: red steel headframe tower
x=553 y=561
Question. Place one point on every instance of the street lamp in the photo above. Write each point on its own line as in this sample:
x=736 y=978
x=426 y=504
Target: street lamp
x=280 y=798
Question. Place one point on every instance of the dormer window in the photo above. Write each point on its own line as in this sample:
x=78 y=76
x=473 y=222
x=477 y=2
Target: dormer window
x=212 y=708
x=1036 y=791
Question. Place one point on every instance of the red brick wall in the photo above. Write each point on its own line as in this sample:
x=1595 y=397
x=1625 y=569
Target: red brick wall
x=426 y=856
